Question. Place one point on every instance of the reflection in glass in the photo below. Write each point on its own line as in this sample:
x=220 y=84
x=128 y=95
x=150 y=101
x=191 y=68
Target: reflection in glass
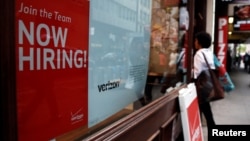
x=118 y=54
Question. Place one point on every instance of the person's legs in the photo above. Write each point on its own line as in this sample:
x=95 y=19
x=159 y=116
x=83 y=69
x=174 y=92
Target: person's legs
x=245 y=66
x=149 y=87
x=205 y=108
x=248 y=66
x=148 y=92
x=151 y=80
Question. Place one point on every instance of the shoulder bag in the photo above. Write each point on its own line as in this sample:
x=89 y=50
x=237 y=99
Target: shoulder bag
x=208 y=86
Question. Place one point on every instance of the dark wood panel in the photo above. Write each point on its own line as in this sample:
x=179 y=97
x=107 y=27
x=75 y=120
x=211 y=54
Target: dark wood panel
x=167 y=128
x=8 y=122
x=155 y=136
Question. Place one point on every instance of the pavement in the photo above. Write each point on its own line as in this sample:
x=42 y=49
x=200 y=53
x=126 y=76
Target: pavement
x=234 y=108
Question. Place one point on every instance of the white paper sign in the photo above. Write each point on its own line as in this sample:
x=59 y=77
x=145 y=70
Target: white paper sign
x=190 y=114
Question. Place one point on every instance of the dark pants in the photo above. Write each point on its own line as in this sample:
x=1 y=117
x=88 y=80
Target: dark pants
x=149 y=86
x=205 y=108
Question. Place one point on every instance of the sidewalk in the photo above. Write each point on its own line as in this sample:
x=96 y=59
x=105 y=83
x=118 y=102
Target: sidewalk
x=234 y=109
